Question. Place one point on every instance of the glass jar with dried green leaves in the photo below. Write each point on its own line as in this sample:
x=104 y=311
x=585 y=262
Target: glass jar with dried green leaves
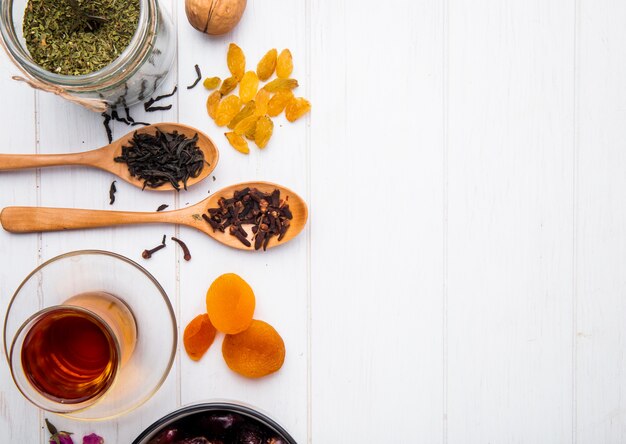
x=90 y=50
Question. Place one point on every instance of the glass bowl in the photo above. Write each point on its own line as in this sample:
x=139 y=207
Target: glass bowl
x=142 y=368
x=214 y=407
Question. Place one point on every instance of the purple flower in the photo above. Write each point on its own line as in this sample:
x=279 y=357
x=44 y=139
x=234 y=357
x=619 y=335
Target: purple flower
x=57 y=437
x=61 y=438
x=93 y=439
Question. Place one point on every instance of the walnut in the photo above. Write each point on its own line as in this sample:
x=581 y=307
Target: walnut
x=214 y=17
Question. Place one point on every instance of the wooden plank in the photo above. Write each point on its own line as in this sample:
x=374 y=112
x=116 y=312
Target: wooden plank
x=376 y=293
x=18 y=418
x=510 y=132
x=65 y=127
x=279 y=276
x=600 y=224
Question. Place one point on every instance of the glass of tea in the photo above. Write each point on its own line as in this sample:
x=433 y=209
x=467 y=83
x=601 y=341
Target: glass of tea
x=89 y=334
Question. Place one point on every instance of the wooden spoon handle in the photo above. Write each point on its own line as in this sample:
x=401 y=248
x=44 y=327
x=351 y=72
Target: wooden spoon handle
x=21 y=161
x=35 y=219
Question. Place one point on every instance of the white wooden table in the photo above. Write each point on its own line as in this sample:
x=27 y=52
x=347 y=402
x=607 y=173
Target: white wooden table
x=461 y=278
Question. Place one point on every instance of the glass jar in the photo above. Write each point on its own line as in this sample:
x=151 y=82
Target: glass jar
x=132 y=77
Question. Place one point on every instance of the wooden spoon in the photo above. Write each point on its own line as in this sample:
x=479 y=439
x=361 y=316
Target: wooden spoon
x=102 y=158
x=36 y=219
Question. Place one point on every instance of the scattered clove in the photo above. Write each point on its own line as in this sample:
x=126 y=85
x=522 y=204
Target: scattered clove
x=186 y=253
x=268 y=214
x=162 y=207
x=147 y=254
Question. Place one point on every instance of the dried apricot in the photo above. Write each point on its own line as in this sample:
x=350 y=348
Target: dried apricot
x=228 y=85
x=227 y=109
x=297 y=108
x=247 y=110
x=198 y=337
x=278 y=102
x=230 y=303
x=237 y=142
x=266 y=66
x=248 y=86
x=212 y=102
x=262 y=100
x=236 y=61
x=263 y=131
x=280 y=84
x=255 y=352
x=211 y=82
x=284 y=64
x=246 y=125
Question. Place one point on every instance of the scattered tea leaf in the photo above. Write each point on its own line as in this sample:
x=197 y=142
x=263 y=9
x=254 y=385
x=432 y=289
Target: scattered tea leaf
x=198 y=77
x=112 y=191
x=163 y=157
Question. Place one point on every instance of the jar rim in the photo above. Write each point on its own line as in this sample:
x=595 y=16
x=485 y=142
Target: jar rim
x=130 y=59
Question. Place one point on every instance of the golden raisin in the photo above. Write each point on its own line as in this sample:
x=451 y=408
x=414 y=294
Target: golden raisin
x=228 y=85
x=211 y=82
x=279 y=101
x=230 y=301
x=250 y=131
x=247 y=110
x=248 y=86
x=284 y=64
x=212 y=102
x=227 y=109
x=297 y=108
x=263 y=131
x=255 y=352
x=262 y=100
x=236 y=61
x=198 y=337
x=266 y=66
x=246 y=125
x=238 y=142
x=280 y=84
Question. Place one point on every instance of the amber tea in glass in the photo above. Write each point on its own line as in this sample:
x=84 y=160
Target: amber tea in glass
x=72 y=352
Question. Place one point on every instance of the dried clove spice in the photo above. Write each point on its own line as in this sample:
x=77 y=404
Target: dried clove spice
x=147 y=254
x=268 y=214
x=112 y=191
x=198 y=77
x=186 y=253
x=162 y=207
x=162 y=158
